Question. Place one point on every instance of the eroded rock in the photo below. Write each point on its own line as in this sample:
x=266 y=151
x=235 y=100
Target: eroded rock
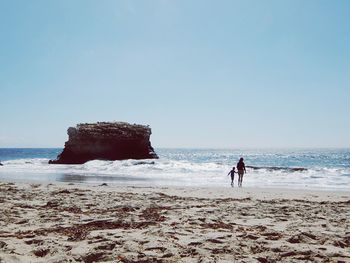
x=106 y=141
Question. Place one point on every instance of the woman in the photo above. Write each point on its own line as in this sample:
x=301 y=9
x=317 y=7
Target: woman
x=241 y=171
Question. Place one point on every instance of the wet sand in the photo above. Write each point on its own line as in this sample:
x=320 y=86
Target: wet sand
x=78 y=223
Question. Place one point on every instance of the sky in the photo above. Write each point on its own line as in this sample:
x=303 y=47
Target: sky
x=218 y=74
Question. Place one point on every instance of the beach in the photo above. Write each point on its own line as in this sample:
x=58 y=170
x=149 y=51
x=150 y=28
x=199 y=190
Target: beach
x=66 y=222
x=175 y=131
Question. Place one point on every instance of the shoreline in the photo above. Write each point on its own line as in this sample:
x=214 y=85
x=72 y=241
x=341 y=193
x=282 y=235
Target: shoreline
x=60 y=222
x=195 y=191
x=124 y=181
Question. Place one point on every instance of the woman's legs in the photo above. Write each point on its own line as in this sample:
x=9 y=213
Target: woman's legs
x=240 y=178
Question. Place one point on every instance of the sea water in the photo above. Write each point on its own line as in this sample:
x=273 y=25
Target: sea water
x=325 y=169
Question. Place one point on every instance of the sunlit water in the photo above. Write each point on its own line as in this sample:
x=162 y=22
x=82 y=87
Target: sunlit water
x=327 y=169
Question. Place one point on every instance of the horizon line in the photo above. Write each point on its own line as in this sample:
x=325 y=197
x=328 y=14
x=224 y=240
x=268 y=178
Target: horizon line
x=211 y=148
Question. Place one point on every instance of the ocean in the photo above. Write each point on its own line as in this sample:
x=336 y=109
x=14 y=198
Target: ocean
x=325 y=169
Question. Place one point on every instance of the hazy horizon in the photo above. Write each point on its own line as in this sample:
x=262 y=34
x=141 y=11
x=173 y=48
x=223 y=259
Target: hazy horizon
x=210 y=148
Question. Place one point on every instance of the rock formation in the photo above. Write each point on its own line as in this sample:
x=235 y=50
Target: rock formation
x=106 y=141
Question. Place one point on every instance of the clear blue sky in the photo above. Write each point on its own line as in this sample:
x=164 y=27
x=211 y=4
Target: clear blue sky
x=200 y=73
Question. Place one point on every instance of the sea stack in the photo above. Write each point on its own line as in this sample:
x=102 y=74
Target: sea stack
x=106 y=141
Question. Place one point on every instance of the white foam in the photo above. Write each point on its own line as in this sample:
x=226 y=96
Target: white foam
x=165 y=171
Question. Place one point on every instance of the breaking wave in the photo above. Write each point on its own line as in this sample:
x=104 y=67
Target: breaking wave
x=176 y=172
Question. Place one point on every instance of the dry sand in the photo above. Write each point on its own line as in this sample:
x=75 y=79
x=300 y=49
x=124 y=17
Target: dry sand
x=77 y=223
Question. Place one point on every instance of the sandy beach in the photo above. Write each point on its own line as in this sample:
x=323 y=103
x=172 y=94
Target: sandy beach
x=102 y=223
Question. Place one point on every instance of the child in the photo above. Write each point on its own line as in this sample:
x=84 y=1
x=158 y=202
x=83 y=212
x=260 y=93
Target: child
x=232 y=172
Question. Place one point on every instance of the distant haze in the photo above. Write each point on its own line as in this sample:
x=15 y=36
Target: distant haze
x=221 y=74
